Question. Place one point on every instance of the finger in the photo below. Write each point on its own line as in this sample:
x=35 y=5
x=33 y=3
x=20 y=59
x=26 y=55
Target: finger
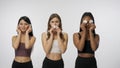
x=17 y=27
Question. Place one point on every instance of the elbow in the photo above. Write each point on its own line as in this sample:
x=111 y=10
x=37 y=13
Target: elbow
x=15 y=47
x=80 y=49
x=94 y=49
x=63 y=51
x=47 y=52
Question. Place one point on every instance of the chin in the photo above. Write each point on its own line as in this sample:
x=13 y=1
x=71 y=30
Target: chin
x=23 y=31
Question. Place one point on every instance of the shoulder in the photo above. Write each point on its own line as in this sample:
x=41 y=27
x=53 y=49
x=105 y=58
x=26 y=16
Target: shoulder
x=44 y=35
x=97 y=35
x=14 y=37
x=76 y=34
x=64 y=33
x=33 y=37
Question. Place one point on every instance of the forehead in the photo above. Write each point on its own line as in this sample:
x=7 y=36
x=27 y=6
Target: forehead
x=54 y=19
x=86 y=18
x=22 y=21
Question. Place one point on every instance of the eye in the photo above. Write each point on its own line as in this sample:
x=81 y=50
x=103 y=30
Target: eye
x=91 y=21
x=84 y=21
x=20 y=24
x=26 y=24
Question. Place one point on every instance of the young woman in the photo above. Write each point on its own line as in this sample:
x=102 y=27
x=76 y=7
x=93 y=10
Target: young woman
x=23 y=43
x=86 y=41
x=54 y=43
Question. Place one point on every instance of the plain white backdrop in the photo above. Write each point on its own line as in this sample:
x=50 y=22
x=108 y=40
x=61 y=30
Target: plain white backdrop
x=105 y=12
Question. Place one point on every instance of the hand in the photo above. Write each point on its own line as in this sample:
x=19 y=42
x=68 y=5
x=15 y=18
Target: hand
x=51 y=30
x=29 y=29
x=92 y=27
x=58 y=30
x=83 y=26
x=18 y=30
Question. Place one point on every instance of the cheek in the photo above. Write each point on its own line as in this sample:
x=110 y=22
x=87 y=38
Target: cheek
x=57 y=24
x=26 y=27
x=20 y=26
x=51 y=24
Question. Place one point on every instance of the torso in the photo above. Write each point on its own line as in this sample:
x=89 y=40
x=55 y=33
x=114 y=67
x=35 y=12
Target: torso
x=86 y=55
x=22 y=59
x=54 y=56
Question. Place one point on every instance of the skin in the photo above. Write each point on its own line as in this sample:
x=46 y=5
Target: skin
x=86 y=34
x=54 y=35
x=23 y=30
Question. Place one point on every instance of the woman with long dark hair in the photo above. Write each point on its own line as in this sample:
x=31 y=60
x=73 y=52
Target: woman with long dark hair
x=86 y=41
x=23 y=43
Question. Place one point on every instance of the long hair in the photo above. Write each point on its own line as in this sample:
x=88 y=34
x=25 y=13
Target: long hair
x=54 y=15
x=91 y=16
x=26 y=19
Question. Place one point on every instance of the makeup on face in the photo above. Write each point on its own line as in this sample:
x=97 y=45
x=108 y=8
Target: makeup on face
x=85 y=21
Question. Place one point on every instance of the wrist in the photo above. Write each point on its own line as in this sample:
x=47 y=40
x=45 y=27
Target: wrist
x=27 y=33
x=90 y=31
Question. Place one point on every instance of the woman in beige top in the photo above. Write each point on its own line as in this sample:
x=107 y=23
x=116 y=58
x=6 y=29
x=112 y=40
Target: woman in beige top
x=54 y=43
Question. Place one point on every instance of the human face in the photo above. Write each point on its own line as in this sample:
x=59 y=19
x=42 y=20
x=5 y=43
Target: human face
x=23 y=25
x=54 y=22
x=88 y=21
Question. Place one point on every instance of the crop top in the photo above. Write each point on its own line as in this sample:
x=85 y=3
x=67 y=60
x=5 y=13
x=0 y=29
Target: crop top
x=55 y=47
x=87 y=48
x=22 y=51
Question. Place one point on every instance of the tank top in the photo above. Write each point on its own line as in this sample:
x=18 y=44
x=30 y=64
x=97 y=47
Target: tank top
x=22 y=51
x=87 y=47
x=55 y=47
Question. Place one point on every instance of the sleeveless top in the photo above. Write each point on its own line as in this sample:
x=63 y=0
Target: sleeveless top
x=87 y=47
x=22 y=51
x=55 y=47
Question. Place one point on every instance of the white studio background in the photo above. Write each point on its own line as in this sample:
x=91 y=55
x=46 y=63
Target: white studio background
x=105 y=12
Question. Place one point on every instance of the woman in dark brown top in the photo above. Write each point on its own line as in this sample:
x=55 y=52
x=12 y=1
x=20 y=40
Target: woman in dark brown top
x=23 y=43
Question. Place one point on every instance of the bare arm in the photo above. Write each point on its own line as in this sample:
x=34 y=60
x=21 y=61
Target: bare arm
x=29 y=42
x=47 y=43
x=79 y=43
x=16 y=41
x=94 y=40
x=63 y=44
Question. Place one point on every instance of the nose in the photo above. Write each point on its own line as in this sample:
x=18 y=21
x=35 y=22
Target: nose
x=87 y=23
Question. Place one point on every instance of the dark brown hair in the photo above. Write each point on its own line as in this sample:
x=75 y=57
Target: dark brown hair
x=54 y=15
x=91 y=16
x=26 y=19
